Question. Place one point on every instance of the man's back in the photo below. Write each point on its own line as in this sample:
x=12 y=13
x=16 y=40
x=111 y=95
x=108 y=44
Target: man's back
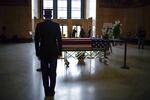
x=48 y=33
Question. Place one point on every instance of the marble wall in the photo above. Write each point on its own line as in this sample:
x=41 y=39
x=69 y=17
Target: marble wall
x=131 y=18
x=16 y=17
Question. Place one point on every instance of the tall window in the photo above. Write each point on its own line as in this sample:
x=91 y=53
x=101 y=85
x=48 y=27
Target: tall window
x=91 y=12
x=62 y=9
x=76 y=9
x=47 y=4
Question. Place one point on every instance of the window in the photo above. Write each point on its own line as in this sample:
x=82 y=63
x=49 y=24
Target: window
x=76 y=9
x=62 y=9
x=47 y=4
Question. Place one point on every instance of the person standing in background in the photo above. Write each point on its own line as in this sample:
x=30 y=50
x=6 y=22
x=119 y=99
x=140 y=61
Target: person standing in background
x=141 y=37
x=74 y=32
x=3 y=37
x=82 y=33
x=89 y=32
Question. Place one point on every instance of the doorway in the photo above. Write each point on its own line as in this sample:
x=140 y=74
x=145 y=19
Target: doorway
x=64 y=30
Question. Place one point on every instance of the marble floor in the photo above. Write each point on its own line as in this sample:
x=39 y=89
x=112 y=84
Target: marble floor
x=95 y=80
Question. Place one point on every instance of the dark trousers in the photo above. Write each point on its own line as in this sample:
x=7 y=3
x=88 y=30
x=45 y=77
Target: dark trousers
x=141 y=43
x=49 y=75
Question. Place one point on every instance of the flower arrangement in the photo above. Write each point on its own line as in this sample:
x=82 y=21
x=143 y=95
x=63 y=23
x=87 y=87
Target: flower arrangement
x=80 y=56
x=116 y=29
x=112 y=31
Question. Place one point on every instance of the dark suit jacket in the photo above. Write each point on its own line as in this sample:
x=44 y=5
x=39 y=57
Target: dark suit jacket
x=48 y=40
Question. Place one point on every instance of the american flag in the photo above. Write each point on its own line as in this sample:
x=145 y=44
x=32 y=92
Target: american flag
x=98 y=43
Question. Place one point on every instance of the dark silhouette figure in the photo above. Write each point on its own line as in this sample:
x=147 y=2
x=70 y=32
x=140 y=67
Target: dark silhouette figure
x=82 y=33
x=141 y=38
x=48 y=46
x=89 y=32
x=74 y=32
x=3 y=35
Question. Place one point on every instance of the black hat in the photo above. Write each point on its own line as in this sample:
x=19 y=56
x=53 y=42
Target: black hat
x=48 y=13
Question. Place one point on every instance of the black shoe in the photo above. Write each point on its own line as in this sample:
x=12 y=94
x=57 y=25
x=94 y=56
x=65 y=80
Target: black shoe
x=51 y=93
x=49 y=98
x=39 y=69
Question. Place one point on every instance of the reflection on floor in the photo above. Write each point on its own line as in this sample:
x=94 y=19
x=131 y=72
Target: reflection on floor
x=19 y=79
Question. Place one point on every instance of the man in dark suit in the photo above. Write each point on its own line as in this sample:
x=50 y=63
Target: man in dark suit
x=48 y=46
x=141 y=37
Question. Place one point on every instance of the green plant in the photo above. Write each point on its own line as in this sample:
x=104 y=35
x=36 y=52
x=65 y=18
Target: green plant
x=80 y=55
x=116 y=29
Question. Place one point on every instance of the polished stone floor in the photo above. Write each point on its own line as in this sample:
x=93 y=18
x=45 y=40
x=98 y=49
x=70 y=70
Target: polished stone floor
x=95 y=80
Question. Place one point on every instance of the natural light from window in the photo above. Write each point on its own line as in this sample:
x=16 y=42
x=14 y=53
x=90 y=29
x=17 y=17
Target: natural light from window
x=62 y=9
x=47 y=4
x=76 y=9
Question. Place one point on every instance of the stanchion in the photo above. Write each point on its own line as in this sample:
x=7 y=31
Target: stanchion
x=125 y=55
